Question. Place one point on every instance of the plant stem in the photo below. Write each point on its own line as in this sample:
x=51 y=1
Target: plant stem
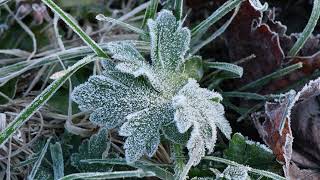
x=308 y=29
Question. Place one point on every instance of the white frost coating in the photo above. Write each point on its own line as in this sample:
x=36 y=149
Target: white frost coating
x=142 y=97
x=235 y=173
x=169 y=42
x=258 y=6
x=194 y=107
x=262 y=146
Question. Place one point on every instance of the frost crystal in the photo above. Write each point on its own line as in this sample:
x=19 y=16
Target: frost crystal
x=199 y=108
x=235 y=173
x=145 y=97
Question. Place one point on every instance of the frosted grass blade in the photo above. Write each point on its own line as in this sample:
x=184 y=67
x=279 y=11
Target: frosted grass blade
x=41 y=99
x=109 y=175
x=65 y=17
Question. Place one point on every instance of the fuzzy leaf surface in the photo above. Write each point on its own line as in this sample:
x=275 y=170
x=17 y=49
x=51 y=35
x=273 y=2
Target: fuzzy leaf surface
x=199 y=108
x=92 y=149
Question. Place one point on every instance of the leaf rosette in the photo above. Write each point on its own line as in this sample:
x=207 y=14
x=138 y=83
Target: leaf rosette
x=145 y=97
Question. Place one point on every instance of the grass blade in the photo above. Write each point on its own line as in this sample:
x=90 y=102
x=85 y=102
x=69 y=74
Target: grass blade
x=146 y=166
x=101 y=17
x=256 y=171
x=216 y=34
x=307 y=30
x=57 y=160
x=65 y=17
x=2 y=2
x=42 y=99
x=214 y=17
x=244 y=95
x=264 y=80
x=14 y=70
x=109 y=175
x=39 y=160
x=178 y=9
x=235 y=69
x=150 y=12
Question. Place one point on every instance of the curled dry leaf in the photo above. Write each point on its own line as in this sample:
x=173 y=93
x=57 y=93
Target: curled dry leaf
x=301 y=121
x=247 y=35
x=258 y=33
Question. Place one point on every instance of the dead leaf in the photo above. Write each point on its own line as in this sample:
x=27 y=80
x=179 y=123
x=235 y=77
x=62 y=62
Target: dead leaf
x=301 y=116
x=247 y=35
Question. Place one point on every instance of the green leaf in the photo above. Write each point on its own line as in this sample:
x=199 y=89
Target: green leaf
x=171 y=132
x=41 y=99
x=39 y=160
x=143 y=131
x=194 y=67
x=57 y=160
x=169 y=41
x=237 y=70
x=94 y=148
x=251 y=153
x=201 y=109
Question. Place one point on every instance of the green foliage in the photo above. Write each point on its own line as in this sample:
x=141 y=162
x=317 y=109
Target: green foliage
x=144 y=97
x=95 y=147
x=57 y=160
x=251 y=153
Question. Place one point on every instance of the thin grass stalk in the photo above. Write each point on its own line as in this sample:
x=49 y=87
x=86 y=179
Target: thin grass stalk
x=307 y=30
x=150 y=12
x=264 y=80
x=41 y=99
x=65 y=17
x=109 y=175
x=214 y=17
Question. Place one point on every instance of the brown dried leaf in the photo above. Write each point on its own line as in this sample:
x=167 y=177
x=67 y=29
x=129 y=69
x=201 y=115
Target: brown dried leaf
x=304 y=122
x=278 y=138
x=248 y=35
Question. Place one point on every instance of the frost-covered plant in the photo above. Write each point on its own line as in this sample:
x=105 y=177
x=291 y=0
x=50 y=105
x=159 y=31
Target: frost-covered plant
x=144 y=97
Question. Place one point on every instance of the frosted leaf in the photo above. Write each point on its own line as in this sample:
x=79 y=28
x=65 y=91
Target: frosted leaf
x=171 y=132
x=145 y=97
x=195 y=107
x=142 y=130
x=169 y=41
x=235 y=173
x=132 y=62
x=93 y=148
x=125 y=51
x=112 y=98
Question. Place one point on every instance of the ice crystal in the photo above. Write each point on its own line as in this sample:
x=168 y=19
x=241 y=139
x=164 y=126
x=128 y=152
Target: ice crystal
x=145 y=98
